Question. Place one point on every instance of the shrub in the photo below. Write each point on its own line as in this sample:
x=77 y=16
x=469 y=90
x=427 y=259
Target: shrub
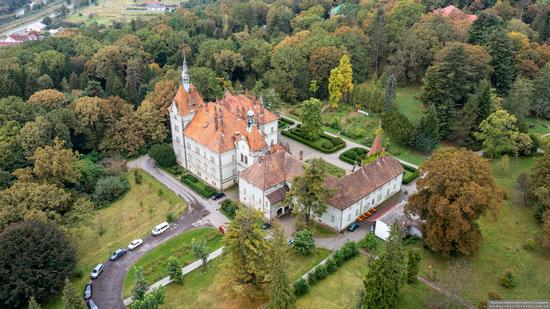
x=331 y=265
x=301 y=287
x=327 y=145
x=320 y=272
x=339 y=258
x=108 y=189
x=163 y=154
x=529 y=245
x=508 y=280
x=303 y=242
x=349 y=250
x=170 y=217
x=198 y=186
x=229 y=208
x=354 y=133
x=138 y=177
x=335 y=123
x=368 y=242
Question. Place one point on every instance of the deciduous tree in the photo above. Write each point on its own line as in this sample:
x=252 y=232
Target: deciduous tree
x=56 y=164
x=35 y=258
x=200 y=252
x=174 y=270
x=48 y=99
x=456 y=190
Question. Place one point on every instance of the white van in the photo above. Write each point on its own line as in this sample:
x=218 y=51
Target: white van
x=159 y=229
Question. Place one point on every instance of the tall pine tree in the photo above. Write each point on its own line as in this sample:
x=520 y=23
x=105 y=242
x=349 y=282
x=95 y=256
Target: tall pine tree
x=427 y=132
x=138 y=293
x=71 y=298
x=519 y=98
x=390 y=92
x=248 y=252
x=385 y=274
x=503 y=61
x=281 y=295
x=446 y=85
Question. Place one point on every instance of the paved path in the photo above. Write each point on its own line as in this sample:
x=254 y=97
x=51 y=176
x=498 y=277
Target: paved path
x=185 y=270
x=107 y=289
x=147 y=164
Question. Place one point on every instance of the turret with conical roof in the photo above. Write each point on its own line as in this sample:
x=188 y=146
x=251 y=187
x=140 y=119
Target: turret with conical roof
x=185 y=76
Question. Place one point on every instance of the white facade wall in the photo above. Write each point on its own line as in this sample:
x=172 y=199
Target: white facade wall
x=332 y=217
x=270 y=132
x=253 y=197
x=381 y=230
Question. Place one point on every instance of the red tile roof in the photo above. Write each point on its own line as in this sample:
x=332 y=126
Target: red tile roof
x=273 y=169
x=453 y=12
x=353 y=187
x=376 y=146
x=218 y=125
x=188 y=102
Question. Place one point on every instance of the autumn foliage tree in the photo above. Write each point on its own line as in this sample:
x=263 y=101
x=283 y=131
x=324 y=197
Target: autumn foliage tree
x=340 y=83
x=456 y=190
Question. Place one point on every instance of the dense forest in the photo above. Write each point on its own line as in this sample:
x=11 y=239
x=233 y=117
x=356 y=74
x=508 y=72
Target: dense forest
x=93 y=91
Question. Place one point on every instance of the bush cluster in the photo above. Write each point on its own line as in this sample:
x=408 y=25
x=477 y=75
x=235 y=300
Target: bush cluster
x=109 y=188
x=354 y=133
x=347 y=252
x=354 y=154
x=411 y=174
x=229 y=208
x=198 y=186
x=329 y=143
x=163 y=154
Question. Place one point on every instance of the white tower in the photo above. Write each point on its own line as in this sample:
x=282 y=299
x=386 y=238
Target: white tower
x=185 y=76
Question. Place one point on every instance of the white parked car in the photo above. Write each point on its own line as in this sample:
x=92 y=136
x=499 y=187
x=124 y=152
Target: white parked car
x=161 y=228
x=135 y=243
x=97 y=271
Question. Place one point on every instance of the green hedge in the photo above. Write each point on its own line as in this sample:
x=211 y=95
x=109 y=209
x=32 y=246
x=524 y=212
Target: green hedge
x=338 y=258
x=229 y=208
x=287 y=121
x=324 y=143
x=411 y=174
x=352 y=155
x=198 y=186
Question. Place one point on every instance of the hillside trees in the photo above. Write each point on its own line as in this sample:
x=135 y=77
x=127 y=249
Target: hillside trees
x=457 y=188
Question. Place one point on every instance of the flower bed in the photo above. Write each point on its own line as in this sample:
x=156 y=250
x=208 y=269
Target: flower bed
x=198 y=186
x=324 y=143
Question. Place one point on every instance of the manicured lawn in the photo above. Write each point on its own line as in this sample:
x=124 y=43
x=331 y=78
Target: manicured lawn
x=539 y=126
x=502 y=247
x=154 y=263
x=408 y=104
x=204 y=290
x=332 y=169
x=342 y=289
x=131 y=217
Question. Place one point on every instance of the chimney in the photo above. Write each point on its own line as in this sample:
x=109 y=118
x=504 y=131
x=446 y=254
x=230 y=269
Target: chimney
x=301 y=155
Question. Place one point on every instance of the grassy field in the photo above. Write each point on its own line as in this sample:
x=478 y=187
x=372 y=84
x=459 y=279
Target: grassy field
x=108 y=11
x=204 y=289
x=503 y=246
x=540 y=126
x=154 y=263
x=408 y=104
x=342 y=289
x=131 y=217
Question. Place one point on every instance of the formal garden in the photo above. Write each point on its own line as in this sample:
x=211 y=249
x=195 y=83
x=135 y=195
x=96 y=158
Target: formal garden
x=146 y=204
x=191 y=181
x=323 y=142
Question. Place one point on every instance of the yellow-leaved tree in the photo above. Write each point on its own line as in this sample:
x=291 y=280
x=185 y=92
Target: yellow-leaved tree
x=340 y=82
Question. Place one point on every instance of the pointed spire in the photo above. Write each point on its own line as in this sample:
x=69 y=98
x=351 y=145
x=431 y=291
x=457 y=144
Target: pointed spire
x=185 y=76
x=377 y=148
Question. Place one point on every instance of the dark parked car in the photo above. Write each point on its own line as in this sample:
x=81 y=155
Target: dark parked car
x=218 y=196
x=118 y=254
x=352 y=227
x=88 y=291
x=267 y=225
x=290 y=242
x=91 y=305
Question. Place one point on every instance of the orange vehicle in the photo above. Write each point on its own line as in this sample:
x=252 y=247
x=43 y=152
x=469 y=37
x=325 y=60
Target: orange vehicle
x=221 y=229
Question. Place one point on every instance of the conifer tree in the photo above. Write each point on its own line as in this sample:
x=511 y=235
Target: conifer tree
x=71 y=298
x=385 y=274
x=390 y=92
x=483 y=100
x=518 y=101
x=247 y=267
x=413 y=262
x=281 y=295
x=503 y=61
x=141 y=285
x=311 y=118
x=114 y=86
x=427 y=133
